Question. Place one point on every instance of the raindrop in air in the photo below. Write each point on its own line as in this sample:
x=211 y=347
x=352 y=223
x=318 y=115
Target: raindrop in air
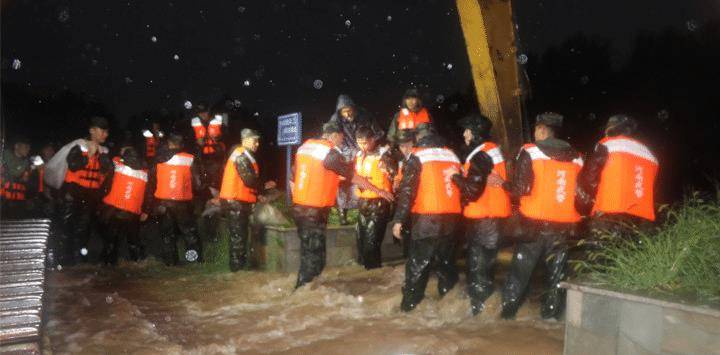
x=59 y=268
x=256 y=114
x=246 y=83
x=108 y=299
x=440 y=99
x=449 y=66
x=83 y=251
x=237 y=103
x=176 y=57
x=64 y=15
x=188 y=105
x=663 y=115
x=16 y=64
x=128 y=80
x=691 y=25
x=241 y=9
x=153 y=38
x=191 y=255
x=584 y=79
x=522 y=59
x=389 y=18
x=348 y=23
x=318 y=84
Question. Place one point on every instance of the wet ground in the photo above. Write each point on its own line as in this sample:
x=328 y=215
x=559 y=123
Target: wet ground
x=148 y=309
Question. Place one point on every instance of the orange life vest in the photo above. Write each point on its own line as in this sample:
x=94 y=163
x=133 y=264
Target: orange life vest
x=314 y=185
x=627 y=180
x=368 y=166
x=437 y=194
x=12 y=191
x=174 y=178
x=409 y=120
x=494 y=201
x=233 y=187
x=128 y=188
x=89 y=176
x=151 y=143
x=552 y=197
x=210 y=135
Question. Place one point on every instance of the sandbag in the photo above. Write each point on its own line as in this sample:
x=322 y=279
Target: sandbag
x=56 y=168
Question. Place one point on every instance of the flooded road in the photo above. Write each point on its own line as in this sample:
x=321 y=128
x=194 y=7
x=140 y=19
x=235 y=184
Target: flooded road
x=148 y=309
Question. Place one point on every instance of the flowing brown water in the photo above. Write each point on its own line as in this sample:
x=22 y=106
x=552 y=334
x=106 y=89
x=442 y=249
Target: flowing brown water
x=148 y=309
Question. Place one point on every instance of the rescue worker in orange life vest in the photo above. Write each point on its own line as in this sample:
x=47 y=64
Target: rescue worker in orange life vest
x=172 y=181
x=484 y=207
x=152 y=137
x=411 y=114
x=429 y=198
x=208 y=133
x=318 y=166
x=121 y=212
x=88 y=165
x=15 y=179
x=375 y=164
x=238 y=193
x=545 y=181
x=617 y=185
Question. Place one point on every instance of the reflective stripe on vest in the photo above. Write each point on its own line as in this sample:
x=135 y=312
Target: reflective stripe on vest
x=89 y=176
x=409 y=120
x=314 y=186
x=627 y=180
x=13 y=191
x=233 y=187
x=368 y=166
x=494 y=201
x=209 y=134
x=436 y=193
x=552 y=197
x=128 y=188
x=174 y=178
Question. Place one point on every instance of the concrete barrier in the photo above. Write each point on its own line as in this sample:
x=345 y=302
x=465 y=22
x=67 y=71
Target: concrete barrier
x=600 y=321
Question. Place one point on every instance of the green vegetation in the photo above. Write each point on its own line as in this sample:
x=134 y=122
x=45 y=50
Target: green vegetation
x=680 y=258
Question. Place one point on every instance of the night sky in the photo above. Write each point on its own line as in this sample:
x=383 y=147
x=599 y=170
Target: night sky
x=139 y=55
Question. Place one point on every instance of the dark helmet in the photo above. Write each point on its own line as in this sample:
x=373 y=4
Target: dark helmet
x=202 y=107
x=620 y=124
x=479 y=125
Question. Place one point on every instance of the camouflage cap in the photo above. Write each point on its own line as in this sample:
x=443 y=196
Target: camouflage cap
x=551 y=119
x=249 y=133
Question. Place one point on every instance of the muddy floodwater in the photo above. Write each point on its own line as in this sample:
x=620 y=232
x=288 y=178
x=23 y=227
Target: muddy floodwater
x=149 y=309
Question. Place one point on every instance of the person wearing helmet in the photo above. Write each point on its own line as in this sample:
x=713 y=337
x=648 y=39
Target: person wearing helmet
x=484 y=207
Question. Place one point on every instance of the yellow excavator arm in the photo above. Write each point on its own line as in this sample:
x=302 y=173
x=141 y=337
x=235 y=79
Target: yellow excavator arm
x=490 y=40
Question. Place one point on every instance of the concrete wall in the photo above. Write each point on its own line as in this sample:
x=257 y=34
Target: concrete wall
x=600 y=321
x=278 y=248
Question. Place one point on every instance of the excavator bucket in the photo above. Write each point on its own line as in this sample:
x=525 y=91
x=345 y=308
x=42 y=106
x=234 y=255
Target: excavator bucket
x=490 y=40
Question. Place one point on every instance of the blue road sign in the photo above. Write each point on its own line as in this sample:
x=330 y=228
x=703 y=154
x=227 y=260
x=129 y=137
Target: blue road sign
x=289 y=129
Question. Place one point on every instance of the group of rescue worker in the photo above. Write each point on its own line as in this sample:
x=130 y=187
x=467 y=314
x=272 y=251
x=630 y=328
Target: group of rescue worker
x=408 y=182
x=428 y=196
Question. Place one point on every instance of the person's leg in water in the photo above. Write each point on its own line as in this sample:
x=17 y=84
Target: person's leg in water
x=187 y=226
x=237 y=216
x=482 y=236
x=445 y=264
x=374 y=216
x=311 y=223
x=417 y=271
x=525 y=257
x=552 y=302
x=168 y=239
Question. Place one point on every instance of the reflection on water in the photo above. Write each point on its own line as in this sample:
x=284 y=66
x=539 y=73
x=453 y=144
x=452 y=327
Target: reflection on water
x=148 y=308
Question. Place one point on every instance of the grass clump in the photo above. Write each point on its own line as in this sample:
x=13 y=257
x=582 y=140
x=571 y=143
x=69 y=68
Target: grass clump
x=679 y=258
